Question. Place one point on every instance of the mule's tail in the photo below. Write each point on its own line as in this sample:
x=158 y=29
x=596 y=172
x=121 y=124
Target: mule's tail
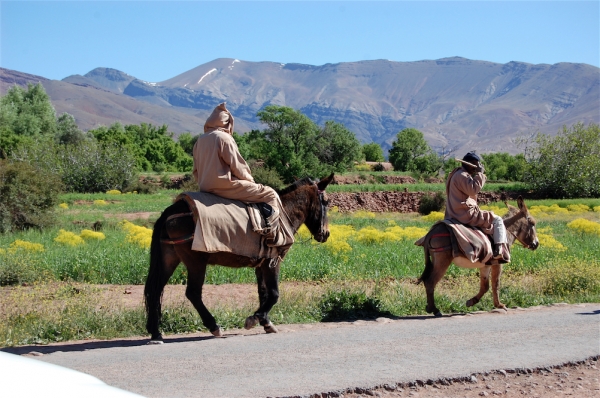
x=153 y=289
x=428 y=263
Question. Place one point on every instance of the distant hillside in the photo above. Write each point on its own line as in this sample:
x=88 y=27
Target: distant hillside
x=456 y=102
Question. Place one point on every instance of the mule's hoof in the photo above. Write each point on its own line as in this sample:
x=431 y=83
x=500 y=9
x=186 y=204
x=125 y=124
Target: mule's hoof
x=155 y=342
x=472 y=302
x=270 y=328
x=437 y=314
x=251 y=321
x=218 y=332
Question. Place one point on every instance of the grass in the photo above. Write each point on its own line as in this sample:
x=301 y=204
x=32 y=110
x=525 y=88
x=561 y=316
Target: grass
x=365 y=270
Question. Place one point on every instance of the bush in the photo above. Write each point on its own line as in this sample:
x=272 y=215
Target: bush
x=567 y=165
x=432 y=203
x=85 y=167
x=264 y=175
x=378 y=167
x=28 y=196
x=343 y=305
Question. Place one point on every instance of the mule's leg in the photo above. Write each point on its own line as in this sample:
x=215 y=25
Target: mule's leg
x=196 y=267
x=484 y=286
x=496 y=273
x=155 y=285
x=267 y=278
x=441 y=261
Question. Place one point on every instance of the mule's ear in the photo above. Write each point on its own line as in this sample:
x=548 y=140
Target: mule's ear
x=521 y=204
x=324 y=182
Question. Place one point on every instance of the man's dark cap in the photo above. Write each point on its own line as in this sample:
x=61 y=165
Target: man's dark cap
x=472 y=157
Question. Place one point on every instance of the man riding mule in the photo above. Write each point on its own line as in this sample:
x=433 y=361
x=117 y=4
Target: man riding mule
x=462 y=187
x=218 y=225
x=462 y=237
x=220 y=169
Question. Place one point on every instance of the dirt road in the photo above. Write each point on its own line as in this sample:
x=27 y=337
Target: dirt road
x=356 y=358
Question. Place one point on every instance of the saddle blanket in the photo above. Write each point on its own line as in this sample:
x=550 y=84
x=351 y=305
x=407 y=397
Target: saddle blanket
x=471 y=242
x=224 y=225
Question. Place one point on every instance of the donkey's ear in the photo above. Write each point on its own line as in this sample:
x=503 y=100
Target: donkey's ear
x=324 y=182
x=521 y=204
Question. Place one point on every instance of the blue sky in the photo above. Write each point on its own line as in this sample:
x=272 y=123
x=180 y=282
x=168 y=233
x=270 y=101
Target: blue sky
x=157 y=40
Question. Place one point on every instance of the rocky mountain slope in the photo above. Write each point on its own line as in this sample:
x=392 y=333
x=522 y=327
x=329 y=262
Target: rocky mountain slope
x=457 y=103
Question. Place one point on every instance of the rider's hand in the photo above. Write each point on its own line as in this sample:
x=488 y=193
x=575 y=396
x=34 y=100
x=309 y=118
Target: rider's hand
x=480 y=168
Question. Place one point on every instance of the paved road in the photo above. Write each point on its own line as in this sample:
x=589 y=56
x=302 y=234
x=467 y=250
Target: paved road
x=305 y=359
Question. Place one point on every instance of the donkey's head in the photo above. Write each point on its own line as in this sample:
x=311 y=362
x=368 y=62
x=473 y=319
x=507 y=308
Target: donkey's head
x=316 y=219
x=521 y=225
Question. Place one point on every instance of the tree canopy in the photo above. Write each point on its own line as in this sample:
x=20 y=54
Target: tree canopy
x=410 y=152
x=566 y=165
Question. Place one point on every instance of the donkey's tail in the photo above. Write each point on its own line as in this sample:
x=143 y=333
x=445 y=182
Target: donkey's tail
x=153 y=289
x=428 y=263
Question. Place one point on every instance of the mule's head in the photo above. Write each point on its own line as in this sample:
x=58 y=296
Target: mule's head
x=522 y=225
x=316 y=219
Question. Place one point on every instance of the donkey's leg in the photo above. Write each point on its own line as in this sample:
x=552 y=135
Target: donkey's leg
x=496 y=273
x=441 y=261
x=267 y=278
x=153 y=291
x=484 y=286
x=196 y=276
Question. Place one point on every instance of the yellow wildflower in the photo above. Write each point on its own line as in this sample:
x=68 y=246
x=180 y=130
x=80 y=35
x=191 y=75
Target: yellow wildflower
x=68 y=238
x=89 y=234
x=548 y=241
x=136 y=234
x=303 y=232
x=580 y=208
x=433 y=216
x=63 y=206
x=500 y=211
x=597 y=209
x=24 y=245
x=363 y=214
x=585 y=226
x=100 y=202
x=113 y=192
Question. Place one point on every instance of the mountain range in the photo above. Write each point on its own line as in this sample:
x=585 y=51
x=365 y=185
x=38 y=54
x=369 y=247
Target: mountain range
x=458 y=104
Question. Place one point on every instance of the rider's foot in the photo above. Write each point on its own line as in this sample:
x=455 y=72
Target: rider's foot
x=497 y=254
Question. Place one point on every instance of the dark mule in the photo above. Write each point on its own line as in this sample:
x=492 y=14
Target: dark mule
x=304 y=202
x=519 y=226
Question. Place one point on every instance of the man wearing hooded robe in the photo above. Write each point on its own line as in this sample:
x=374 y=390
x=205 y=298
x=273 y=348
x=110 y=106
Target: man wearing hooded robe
x=220 y=169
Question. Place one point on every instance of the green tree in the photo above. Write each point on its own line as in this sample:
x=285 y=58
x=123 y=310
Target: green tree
x=566 y=165
x=289 y=135
x=373 y=152
x=503 y=166
x=187 y=141
x=24 y=115
x=153 y=147
x=67 y=131
x=337 y=147
x=28 y=112
x=28 y=196
x=410 y=152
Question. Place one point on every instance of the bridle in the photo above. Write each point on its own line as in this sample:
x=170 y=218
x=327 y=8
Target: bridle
x=525 y=245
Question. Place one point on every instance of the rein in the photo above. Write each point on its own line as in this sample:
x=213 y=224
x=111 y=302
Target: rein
x=517 y=238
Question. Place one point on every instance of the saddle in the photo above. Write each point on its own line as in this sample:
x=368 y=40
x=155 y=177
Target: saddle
x=224 y=225
x=465 y=241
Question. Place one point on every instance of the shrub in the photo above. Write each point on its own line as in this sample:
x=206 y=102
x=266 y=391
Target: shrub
x=84 y=167
x=343 y=305
x=432 y=203
x=378 y=167
x=266 y=176
x=28 y=196
x=567 y=165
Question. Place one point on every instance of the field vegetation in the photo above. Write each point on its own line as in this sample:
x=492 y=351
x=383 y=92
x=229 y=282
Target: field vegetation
x=366 y=269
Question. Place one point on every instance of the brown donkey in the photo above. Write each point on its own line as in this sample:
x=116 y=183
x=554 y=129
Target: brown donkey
x=520 y=226
x=305 y=203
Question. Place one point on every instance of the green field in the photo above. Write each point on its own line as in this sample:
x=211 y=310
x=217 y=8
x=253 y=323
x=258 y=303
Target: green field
x=366 y=269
